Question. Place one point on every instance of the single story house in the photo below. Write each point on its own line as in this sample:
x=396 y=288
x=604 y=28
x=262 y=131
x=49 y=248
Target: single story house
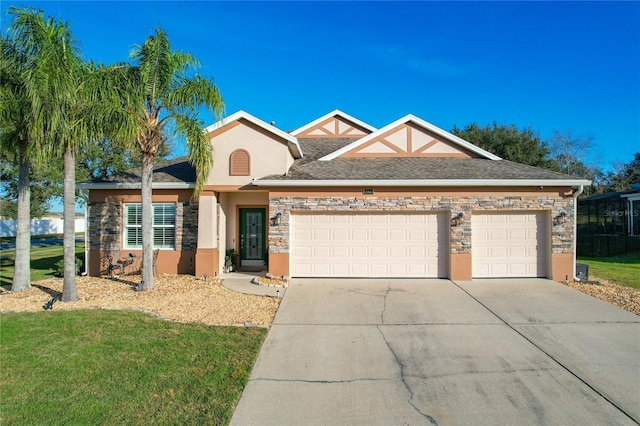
x=338 y=197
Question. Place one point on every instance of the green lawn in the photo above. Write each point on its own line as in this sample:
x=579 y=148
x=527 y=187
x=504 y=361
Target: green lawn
x=622 y=269
x=118 y=367
x=43 y=260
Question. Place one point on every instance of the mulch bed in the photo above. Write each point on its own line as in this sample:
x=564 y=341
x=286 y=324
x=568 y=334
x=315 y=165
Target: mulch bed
x=182 y=298
x=185 y=298
x=627 y=298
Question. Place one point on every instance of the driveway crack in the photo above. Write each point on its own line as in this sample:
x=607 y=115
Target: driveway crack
x=403 y=377
x=384 y=304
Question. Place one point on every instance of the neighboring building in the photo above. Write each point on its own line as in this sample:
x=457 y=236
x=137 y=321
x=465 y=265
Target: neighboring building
x=609 y=223
x=340 y=198
x=50 y=224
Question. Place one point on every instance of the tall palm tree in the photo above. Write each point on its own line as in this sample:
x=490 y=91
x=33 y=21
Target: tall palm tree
x=72 y=102
x=164 y=98
x=27 y=110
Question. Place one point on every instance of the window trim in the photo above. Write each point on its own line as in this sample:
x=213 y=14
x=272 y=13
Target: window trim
x=126 y=226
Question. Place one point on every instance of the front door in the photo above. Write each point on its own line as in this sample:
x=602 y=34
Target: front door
x=252 y=237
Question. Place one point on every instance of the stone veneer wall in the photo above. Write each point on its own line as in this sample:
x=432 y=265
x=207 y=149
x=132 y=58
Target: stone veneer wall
x=460 y=236
x=105 y=226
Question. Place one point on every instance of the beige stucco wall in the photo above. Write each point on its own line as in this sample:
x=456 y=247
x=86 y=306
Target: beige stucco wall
x=231 y=202
x=269 y=154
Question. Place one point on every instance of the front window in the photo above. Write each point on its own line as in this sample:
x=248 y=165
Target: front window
x=163 y=224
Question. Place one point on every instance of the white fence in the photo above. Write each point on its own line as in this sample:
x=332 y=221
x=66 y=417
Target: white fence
x=40 y=226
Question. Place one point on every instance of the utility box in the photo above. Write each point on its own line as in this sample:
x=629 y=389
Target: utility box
x=582 y=271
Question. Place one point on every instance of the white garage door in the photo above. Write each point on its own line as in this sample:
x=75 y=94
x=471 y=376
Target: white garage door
x=368 y=245
x=510 y=244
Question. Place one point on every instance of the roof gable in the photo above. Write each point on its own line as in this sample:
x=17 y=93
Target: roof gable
x=411 y=136
x=242 y=117
x=335 y=124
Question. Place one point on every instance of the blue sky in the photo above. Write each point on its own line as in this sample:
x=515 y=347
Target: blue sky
x=547 y=65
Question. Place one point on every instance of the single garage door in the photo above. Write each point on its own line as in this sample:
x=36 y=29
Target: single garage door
x=368 y=245
x=512 y=244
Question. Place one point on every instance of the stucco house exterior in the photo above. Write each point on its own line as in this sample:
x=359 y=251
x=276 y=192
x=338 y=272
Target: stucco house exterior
x=340 y=198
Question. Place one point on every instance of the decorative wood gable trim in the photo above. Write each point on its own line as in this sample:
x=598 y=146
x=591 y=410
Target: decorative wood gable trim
x=408 y=140
x=335 y=127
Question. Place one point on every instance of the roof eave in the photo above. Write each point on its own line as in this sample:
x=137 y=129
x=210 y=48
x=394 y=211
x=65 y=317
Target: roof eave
x=134 y=185
x=426 y=182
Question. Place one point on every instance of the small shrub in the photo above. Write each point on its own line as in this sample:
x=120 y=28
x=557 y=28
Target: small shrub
x=59 y=267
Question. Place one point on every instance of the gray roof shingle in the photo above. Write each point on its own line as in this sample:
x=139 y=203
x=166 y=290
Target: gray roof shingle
x=396 y=168
x=175 y=170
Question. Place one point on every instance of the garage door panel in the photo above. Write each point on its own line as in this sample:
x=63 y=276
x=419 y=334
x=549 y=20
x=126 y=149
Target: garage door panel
x=371 y=245
x=508 y=244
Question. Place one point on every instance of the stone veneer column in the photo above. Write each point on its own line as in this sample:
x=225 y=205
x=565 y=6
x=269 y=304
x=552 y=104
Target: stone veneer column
x=207 y=253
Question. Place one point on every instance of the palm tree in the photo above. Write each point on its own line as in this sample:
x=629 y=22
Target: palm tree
x=164 y=97
x=27 y=111
x=72 y=102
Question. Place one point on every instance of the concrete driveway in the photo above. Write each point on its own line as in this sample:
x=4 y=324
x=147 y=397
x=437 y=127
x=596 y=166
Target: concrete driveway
x=391 y=352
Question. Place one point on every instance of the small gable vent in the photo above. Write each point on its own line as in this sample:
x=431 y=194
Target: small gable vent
x=239 y=163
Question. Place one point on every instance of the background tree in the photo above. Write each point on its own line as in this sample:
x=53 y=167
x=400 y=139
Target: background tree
x=163 y=101
x=623 y=176
x=508 y=142
x=45 y=185
x=571 y=155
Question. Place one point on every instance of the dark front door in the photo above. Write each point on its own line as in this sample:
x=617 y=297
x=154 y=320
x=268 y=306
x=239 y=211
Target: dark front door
x=252 y=237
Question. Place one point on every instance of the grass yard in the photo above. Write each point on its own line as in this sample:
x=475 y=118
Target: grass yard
x=121 y=367
x=623 y=269
x=43 y=260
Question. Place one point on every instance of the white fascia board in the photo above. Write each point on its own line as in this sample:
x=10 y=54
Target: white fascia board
x=631 y=197
x=421 y=123
x=430 y=182
x=333 y=114
x=135 y=185
x=292 y=141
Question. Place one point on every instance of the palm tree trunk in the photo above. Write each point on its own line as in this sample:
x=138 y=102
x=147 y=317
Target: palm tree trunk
x=147 y=223
x=69 y=292
x=22 y=270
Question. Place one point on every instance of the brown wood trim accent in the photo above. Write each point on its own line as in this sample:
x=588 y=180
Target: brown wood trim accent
x=223 y=129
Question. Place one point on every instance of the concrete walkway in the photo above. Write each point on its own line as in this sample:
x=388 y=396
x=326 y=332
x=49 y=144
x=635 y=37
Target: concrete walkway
x=388 y=352
x=241 y=282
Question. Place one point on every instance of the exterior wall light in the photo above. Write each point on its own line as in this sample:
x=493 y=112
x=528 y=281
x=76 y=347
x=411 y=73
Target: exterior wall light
x=275 y=220
x=457 y=219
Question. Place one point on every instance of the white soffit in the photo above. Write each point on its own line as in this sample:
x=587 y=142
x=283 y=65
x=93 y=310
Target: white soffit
x=410 y=118
x=291 y=140
x=334 y=113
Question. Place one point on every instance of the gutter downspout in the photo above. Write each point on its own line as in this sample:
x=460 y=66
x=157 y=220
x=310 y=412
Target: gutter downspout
x=85 y=197
x=575 y=229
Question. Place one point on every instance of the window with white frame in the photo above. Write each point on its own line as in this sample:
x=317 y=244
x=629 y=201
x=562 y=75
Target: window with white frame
x=163 y=224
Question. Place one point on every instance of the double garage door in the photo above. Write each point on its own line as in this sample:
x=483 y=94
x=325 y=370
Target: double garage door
x=504 y=244
x=369 y=245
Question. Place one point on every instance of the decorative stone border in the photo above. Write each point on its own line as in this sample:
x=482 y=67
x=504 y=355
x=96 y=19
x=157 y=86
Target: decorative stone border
x=270 y=282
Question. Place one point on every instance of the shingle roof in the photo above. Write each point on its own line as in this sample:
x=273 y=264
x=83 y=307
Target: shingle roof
x=366 y=169
x=394 y=168
x=175 y=170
